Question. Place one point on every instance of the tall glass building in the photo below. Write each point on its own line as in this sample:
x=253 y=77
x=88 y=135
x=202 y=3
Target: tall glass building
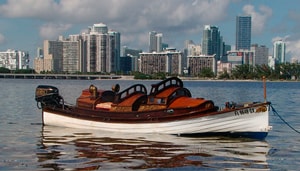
x=243 y=32
x=212 y=41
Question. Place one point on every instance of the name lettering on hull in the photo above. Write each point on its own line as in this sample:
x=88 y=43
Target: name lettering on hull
x=244 y=111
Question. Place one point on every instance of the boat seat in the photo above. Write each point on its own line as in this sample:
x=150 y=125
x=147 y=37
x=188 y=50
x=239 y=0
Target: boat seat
x=131 y=103
x=183 y=101
x=167 y=92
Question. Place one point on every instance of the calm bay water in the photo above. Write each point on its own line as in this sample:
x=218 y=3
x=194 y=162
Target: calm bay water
x=27 y=145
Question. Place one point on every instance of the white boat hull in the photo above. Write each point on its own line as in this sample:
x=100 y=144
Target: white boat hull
x=247 y=120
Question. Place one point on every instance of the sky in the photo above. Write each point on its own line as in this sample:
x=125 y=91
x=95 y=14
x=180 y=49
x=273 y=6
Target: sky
x=25 y=24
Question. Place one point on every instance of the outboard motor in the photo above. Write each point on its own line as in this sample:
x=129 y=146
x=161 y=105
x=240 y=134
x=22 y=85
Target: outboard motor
x=48 y=96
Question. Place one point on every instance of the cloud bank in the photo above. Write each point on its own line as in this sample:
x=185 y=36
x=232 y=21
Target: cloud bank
x=259 y=18
x=135 y=18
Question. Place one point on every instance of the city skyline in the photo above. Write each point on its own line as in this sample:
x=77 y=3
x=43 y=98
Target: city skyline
x=25 y=26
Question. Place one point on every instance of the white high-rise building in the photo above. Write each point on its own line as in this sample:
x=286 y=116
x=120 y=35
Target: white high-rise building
x=155 y=42
x=159 y=37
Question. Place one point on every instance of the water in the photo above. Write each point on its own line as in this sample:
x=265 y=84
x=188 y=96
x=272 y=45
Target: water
x=27 y=145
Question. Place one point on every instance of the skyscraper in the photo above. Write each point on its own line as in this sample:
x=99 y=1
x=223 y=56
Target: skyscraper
x=212 y=41
x=152 y=41
x=155 y=41
x=114 y=39
x=243 y=32
x=279 y=51
x=159 y=43
x=102 y=49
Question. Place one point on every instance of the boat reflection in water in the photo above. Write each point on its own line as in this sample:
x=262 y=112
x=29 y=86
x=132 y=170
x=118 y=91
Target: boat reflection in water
x=78 y=149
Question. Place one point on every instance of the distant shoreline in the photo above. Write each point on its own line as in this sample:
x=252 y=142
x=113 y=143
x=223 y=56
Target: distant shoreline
x=119 y=77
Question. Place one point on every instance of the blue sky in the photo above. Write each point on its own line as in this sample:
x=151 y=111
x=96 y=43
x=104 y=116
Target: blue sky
x=24 y=24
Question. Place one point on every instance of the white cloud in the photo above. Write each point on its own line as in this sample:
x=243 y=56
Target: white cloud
x=51 y=31
x=293 y=47
x=127 y=16
x=44 y=9
x=259 y=18
x=285 y=38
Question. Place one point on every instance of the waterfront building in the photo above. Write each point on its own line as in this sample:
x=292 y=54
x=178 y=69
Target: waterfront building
x=261 y=54
x=168 y=61
x=190 y=49
x=38 y=64
x=196 y=64
x=223 y=67
x=70 y=56
x=14 y=59
x=243 y=32
x=193 y=49
x=58 y=56
x=128 y=63
x=240 y=57
x=212 y=42
x=279 y=48
x=53 y=60
x=132 y=55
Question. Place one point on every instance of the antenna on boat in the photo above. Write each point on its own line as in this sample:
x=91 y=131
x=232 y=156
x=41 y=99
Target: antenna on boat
x=265 y=89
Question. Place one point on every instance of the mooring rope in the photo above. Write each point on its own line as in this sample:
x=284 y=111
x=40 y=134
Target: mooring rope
x=280 y=117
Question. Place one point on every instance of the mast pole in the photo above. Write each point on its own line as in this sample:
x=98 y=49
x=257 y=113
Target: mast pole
x=265 y=89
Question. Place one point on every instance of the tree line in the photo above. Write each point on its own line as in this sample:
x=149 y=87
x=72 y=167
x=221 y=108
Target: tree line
x=18 y=71
x=287 y=71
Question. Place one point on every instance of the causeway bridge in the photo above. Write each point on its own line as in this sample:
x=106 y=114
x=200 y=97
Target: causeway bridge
x=62 y=76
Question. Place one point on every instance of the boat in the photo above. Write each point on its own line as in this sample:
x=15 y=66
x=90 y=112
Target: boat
x=168 y=108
